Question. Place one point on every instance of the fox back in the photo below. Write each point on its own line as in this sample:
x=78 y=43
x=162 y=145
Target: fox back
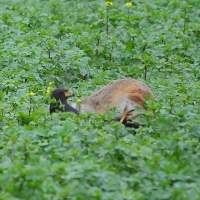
x=124 y=93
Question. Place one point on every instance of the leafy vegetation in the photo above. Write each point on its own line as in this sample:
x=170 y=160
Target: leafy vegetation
x=83 y=45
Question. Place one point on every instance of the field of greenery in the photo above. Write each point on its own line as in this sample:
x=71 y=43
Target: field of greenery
x=83 y=45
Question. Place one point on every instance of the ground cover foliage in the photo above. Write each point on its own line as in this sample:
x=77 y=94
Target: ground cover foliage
x=83 y=45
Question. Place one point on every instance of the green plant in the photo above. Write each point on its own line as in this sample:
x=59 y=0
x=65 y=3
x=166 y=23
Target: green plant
x=83 y=45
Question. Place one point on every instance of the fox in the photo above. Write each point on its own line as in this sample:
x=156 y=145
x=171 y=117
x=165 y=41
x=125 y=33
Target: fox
x=127 y=95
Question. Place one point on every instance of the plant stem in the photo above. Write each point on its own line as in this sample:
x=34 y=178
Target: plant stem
x=184 y=23
x=145 y=72
x=128 y=17
x=107 y=19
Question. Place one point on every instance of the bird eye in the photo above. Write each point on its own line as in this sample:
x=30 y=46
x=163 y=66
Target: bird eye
x=68 y=93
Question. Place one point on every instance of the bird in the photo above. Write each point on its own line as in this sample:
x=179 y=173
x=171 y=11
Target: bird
x=59 y=101
x=126 y=95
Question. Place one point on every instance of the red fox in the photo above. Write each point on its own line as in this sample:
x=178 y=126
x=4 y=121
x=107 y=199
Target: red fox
x=126 y=95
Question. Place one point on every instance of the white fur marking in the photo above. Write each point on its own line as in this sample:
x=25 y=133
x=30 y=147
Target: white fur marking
x=74 y=105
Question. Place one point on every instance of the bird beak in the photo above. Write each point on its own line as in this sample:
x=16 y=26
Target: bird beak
x=69 y=93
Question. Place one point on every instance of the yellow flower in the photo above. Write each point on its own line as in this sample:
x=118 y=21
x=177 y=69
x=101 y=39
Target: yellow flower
x=51 y=83
x=78 y=101
x=109 y=3
x=30 y=94
x=128 y=4
x=48 y=90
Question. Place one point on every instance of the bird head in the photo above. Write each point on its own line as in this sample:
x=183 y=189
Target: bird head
x=62 y=94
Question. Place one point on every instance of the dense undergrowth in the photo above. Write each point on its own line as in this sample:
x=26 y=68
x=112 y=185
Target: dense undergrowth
x=83 y=45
